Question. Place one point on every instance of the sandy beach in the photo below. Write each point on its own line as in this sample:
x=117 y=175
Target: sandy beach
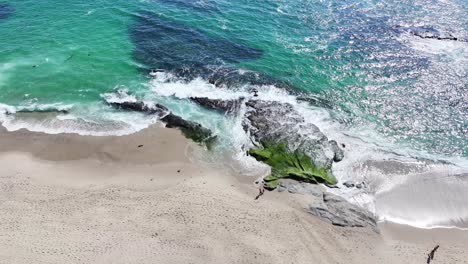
x=141 y=199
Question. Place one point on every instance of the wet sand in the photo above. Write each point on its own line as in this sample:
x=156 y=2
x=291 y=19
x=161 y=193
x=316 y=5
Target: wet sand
x=78 y=199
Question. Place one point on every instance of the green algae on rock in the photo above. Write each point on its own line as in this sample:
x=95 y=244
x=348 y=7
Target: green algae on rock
x=289 y=164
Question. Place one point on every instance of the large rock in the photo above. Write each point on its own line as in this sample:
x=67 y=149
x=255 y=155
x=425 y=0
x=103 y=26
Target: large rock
x=342 y=213
x=292 y=147
x=271 y=121
x=276 y=121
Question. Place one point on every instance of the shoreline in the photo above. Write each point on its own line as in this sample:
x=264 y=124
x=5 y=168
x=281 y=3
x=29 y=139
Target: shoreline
x=411 y=234
x=82 y=199
x=440 y=227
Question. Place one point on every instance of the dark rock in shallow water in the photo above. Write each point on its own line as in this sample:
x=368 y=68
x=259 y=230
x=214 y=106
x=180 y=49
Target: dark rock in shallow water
x=338 y=152
x=190 y=129
x=342 y=213
x=423 y=32
x=316 y=101
x=292 y=147
x=349 y=184
x=141 y=107
x=6 y=10
x=229 y=106
x=427 y=32
x=230 y=77
x=332 y=186
x=44 y=111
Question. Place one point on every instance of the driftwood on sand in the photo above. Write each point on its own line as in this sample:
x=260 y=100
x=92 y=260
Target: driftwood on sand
x=261 y=191
x=430 y=256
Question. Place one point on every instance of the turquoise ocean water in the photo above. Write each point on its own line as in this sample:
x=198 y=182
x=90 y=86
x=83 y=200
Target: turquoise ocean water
x=384 y=86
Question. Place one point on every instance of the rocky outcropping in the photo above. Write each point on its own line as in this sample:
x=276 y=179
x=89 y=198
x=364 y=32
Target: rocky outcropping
x=292 y=147
x=271 y=121
x=329 y=206
x=228 y=106
x=190 y=129
x=338 y=154
x=342 y=213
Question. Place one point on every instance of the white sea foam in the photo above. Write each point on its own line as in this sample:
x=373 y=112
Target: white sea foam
x=427 y=200
x=35 y=107
x=6 y=109
x=455 y=50
x=55 y=119
x=119 y=96
x=166 y=84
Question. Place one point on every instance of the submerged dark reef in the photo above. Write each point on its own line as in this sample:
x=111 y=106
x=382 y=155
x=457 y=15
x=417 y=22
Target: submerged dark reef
x=6 y=10
x=166 y=44
x=189 y=53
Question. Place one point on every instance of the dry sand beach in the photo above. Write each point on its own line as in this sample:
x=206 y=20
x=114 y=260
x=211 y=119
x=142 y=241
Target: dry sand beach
x=80 y=199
